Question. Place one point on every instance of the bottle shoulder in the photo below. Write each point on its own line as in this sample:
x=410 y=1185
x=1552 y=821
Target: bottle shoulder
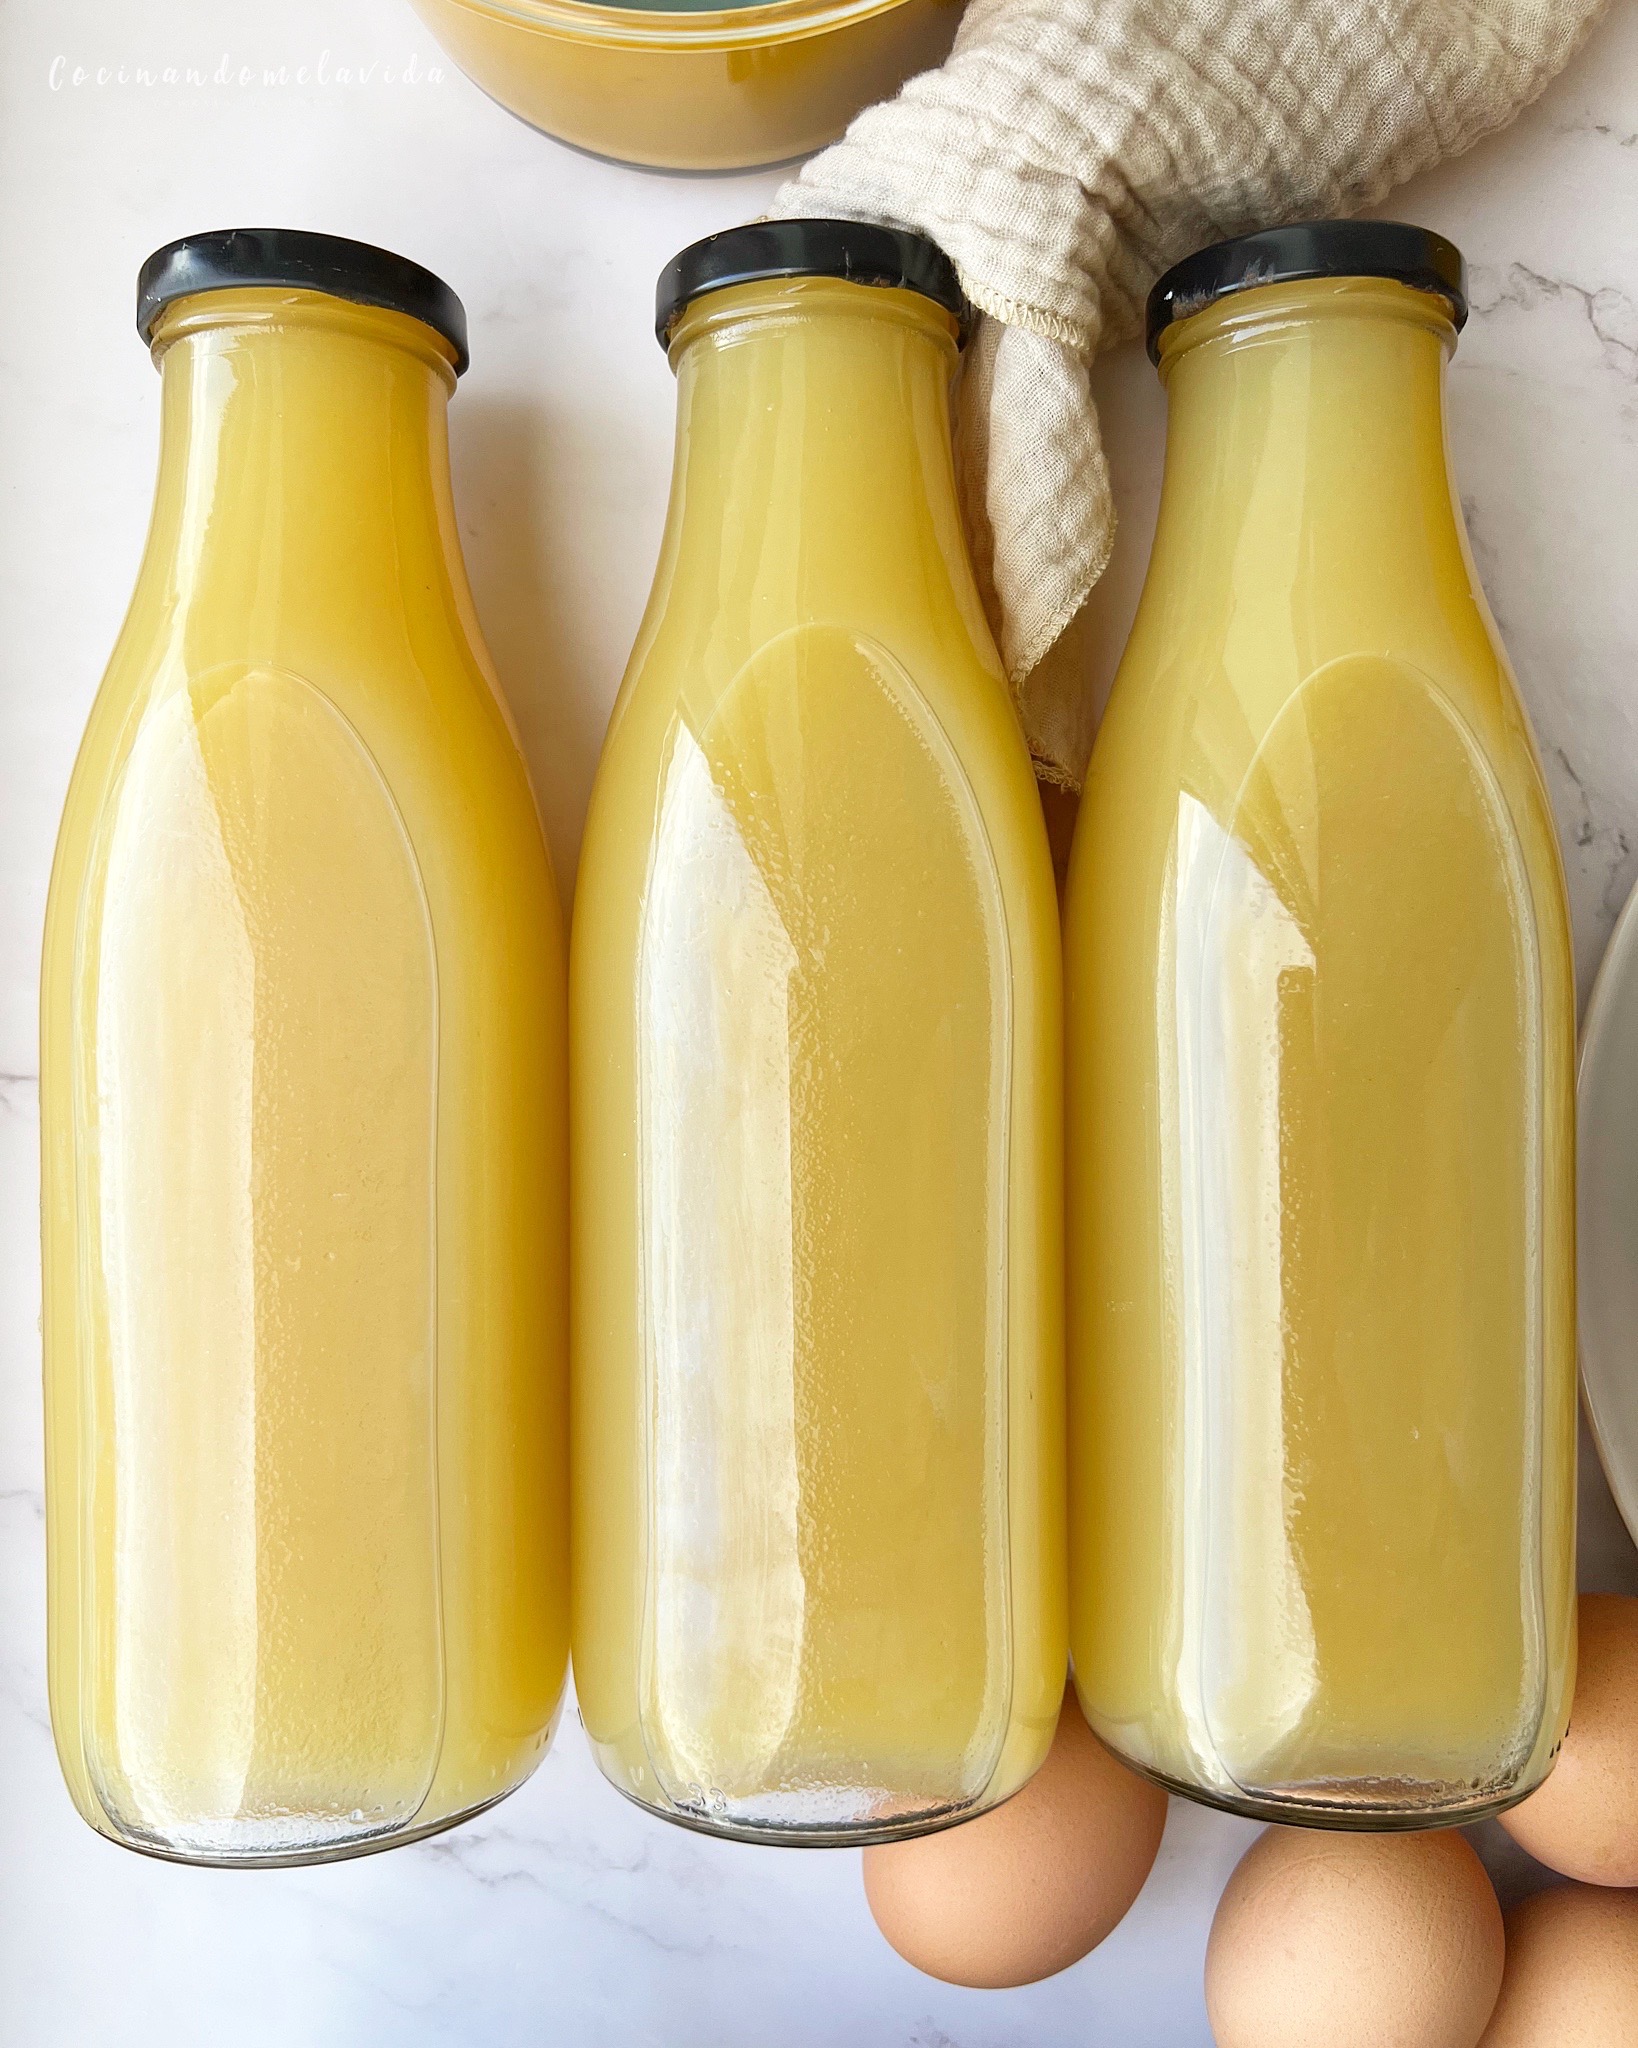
x=396 y=686
x=822 y=669
x=1220 y=684
x=1295 y=755
x=818 y=720
x=677 y=672
x=429 y=739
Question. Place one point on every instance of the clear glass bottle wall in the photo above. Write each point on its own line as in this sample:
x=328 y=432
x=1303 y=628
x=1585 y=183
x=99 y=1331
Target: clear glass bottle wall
x=303 y=1040
x=1320 y=1053
x=815 y=1018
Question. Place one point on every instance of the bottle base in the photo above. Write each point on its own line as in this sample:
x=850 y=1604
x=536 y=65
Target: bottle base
x=818 y=1835
x=1371 y=1811
x=297 y=1859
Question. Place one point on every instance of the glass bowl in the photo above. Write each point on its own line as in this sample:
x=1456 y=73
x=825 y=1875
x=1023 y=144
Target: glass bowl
x=692 y=88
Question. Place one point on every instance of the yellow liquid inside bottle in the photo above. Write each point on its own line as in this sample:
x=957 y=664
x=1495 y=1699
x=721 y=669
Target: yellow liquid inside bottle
x=814 y=996
x=1320 y=1114
x=302 y=1082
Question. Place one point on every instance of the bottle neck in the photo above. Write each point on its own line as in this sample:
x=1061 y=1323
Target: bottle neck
x=304 y=471
x=1306 y=448
x=814 y=471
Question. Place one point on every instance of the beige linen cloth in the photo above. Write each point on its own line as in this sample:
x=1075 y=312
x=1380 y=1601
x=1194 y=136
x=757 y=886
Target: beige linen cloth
x=1071 y=150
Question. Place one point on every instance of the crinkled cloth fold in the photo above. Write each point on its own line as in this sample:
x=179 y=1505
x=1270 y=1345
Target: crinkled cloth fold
x=1071 y=150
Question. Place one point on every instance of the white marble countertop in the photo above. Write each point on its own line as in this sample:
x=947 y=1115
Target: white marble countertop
x=566 y=1918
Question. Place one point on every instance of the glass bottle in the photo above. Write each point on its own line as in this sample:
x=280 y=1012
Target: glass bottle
x=1321 y=1038
x=302 y=1041
x=815 y=1018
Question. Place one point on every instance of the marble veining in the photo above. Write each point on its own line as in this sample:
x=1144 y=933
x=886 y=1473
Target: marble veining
x=1610 y=313
x=566 y=1918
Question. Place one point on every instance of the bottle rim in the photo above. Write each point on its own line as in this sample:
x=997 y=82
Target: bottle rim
x=293 y=259
x=856 y=252
x=1395 y=250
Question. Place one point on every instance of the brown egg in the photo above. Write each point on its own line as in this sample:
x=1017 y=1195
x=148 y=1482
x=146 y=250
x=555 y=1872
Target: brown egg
x=1354 y=1941
x=1028 y=1888
x=1584 y=1820
x=1572 y=1972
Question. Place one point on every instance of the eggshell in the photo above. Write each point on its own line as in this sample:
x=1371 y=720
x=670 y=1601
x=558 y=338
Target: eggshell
x=1572 y=1972
x=1027 y=1889
x=1584 y=1819
x=1354 y=1941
